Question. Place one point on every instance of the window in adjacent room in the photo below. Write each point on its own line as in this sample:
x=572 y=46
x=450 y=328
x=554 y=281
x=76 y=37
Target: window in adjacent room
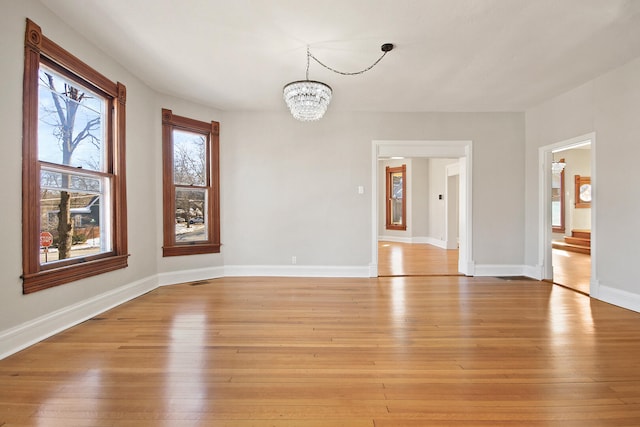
x=191 y=185
x=396 y=199
x=583 y=191
x=74 y=201
x=557 y=197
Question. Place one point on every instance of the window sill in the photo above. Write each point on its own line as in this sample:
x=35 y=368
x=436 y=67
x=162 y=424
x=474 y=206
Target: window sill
x=208 y=248
x=397 y=227
x=34 y=282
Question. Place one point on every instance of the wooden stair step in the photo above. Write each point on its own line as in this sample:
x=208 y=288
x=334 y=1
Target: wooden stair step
x=572 y=248
x=579 y=241
x=583 y=234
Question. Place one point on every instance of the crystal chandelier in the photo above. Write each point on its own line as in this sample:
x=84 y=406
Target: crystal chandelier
x=308 y=99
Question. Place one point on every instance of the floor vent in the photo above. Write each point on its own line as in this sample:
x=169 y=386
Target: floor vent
x=198 y=283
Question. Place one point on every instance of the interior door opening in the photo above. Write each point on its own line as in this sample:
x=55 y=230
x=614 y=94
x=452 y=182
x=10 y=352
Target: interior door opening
x=571 y=242
x=568 y=216
x=437 y=236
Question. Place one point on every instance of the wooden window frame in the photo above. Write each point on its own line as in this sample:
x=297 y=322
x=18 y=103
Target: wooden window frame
x=389 y=172
x=39 y=49
x=579 y=181
x=170 y=247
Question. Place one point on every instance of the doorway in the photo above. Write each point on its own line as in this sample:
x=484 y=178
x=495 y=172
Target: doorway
x=458 y=178
x=568 y=213
x=428 y=246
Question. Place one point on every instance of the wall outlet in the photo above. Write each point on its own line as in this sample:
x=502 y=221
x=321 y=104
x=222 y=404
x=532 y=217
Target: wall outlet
x=293 y=260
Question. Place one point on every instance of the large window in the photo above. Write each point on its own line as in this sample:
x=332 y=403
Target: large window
x=191 y=185
x=396 y=211
x=74 y=204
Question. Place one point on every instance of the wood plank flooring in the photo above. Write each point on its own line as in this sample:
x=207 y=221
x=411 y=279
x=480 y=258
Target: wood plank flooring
x=415 y=259
x=572 y=269
x=406 y=351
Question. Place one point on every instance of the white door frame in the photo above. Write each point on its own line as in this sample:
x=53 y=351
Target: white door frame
x=451 y=240
x=545 y=263
x=461 y=150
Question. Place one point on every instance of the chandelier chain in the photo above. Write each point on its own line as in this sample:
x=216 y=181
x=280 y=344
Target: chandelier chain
x=308 y=99
x=310 y=55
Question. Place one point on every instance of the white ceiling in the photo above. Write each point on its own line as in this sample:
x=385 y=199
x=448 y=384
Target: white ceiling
x=450 y=55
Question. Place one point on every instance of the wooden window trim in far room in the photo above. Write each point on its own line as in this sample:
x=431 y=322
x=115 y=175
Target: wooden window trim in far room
x=579 y=182
x=389 y=213
x=211 y=129
x=36 y=277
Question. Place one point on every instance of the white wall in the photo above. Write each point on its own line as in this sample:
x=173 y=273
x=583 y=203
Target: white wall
x=438 y=207
x=420 y=200
x=609 y=106
x=452 y=199
x=290 y=188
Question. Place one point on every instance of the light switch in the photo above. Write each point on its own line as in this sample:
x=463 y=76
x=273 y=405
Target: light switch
x=360 y=189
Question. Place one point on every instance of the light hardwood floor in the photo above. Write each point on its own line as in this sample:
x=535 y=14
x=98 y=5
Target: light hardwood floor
x=406 y=351
x=572 y=269
x=415 y=259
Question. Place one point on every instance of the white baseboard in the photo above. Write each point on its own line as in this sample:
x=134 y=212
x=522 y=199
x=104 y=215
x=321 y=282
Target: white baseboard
x=183 y=276
x=484 y=270
x=398 y=239
x=22 y=336
x=373 y=270
x=533 y=271
x=421 y=239
x=296 y=271
x=594 y=289
x=417 y=239
x=442 y=244
x=618 y=297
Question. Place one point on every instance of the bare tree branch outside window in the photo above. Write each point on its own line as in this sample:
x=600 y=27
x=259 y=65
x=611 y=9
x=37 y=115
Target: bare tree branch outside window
x=62 y=115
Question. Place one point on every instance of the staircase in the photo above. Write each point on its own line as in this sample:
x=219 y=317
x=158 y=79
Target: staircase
x=579 y=241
